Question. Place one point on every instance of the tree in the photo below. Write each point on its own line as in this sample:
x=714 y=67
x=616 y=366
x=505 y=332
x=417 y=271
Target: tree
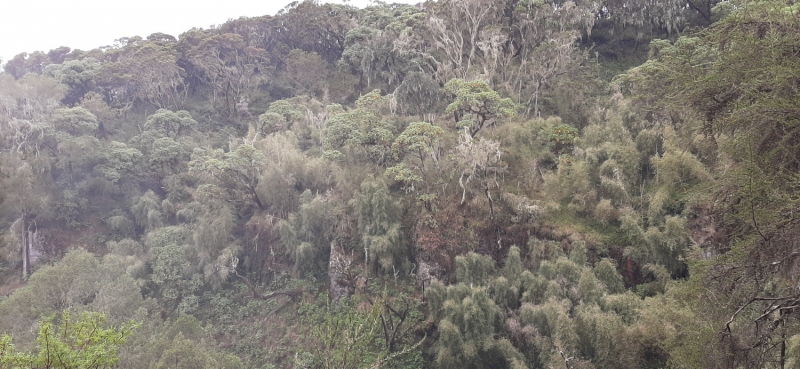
x=163 y=140
x=544 y=39
x=79 y=282
x=417 y=143
x=670 y=16
x=25 y=63
x=25 y=186
x=735 y=79
x=379 y=225
x=167 y=156
x=167 y=123
x=173 y=274
x=370 y=51
x=476 y=105
x=469 y=320
x=607 y=273
x=308 y=235
x=79 y=75
x=75 y=121
x=174 y=343
x=346 y=337
x=308 y=72
x=479 y=163
x=362 y=128
x=314 y=27
x=28 y=99
x=226 y=63
x=419 y=94
x=280 y=116
x=81 y=343
x=27 y=144
x=231 y=176
x=458 y=40
x=184 y=353
x=144 y=71
x=77 y=149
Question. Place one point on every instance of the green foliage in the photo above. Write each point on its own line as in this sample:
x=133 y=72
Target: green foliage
x=348 y=334
x=664 y=246
x=345 y=337
x=81 y=343
x=162 y=124
x=419 y=94
x=551 y=320
x=214 y=250
x=79 y=282
x=308 y=234
x=369 y=50
x=172 y=271
x=606 y=272
x=602 y=339
x=166 y=156
x=418 y=138
x=362 y=129
x=234 y=175
x=474 y=268
x=280 y=116
x=129 y=256
x=180 y=342
x=170 y=124
x=75 y=121
x=120 y=161
x=563 y=138
x=307 y=72
x=683 y=171
x=469 y=321
x=146 y=211
x=476 y=105
x=379 y=226
x=79 y=75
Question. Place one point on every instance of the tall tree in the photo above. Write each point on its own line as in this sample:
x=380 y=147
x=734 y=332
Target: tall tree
x=231 y=176
x=379 y=225
x=228 y=65
x=362 y=130
x=739 y=79
x=369 y=49
x=458 y=40
x=79 y=75
x=418 y=143
x=476 y=105
x=27 y=148
x=144 y=71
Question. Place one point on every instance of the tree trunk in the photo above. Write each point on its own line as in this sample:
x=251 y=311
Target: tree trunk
x=491 y=203
x=783 y=343
x=26 y=244
x=536 y=101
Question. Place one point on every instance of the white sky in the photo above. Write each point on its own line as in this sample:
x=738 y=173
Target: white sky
x=30 y=25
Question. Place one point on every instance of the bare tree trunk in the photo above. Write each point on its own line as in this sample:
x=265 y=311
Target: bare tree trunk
x=536 y=100
x=26 y=243
x=491 y=202
x=24 y=256
x=783 y=344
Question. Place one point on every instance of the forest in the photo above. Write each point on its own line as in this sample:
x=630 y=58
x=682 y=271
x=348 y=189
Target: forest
x=457 y=184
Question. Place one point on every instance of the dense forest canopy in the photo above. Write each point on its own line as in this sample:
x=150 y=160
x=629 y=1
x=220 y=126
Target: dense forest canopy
x=456 y=184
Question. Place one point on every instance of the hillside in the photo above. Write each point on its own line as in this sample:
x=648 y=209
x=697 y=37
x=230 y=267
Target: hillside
x=457 y=184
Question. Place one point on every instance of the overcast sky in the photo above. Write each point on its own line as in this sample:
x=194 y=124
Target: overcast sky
x=29 y=25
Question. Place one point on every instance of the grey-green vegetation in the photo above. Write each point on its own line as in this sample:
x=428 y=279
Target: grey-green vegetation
x=458 y=184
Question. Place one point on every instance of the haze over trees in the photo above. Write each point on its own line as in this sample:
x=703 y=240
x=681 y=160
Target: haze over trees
x=457 y=184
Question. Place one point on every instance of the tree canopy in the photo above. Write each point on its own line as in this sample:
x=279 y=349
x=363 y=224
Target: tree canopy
x=454 y=184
